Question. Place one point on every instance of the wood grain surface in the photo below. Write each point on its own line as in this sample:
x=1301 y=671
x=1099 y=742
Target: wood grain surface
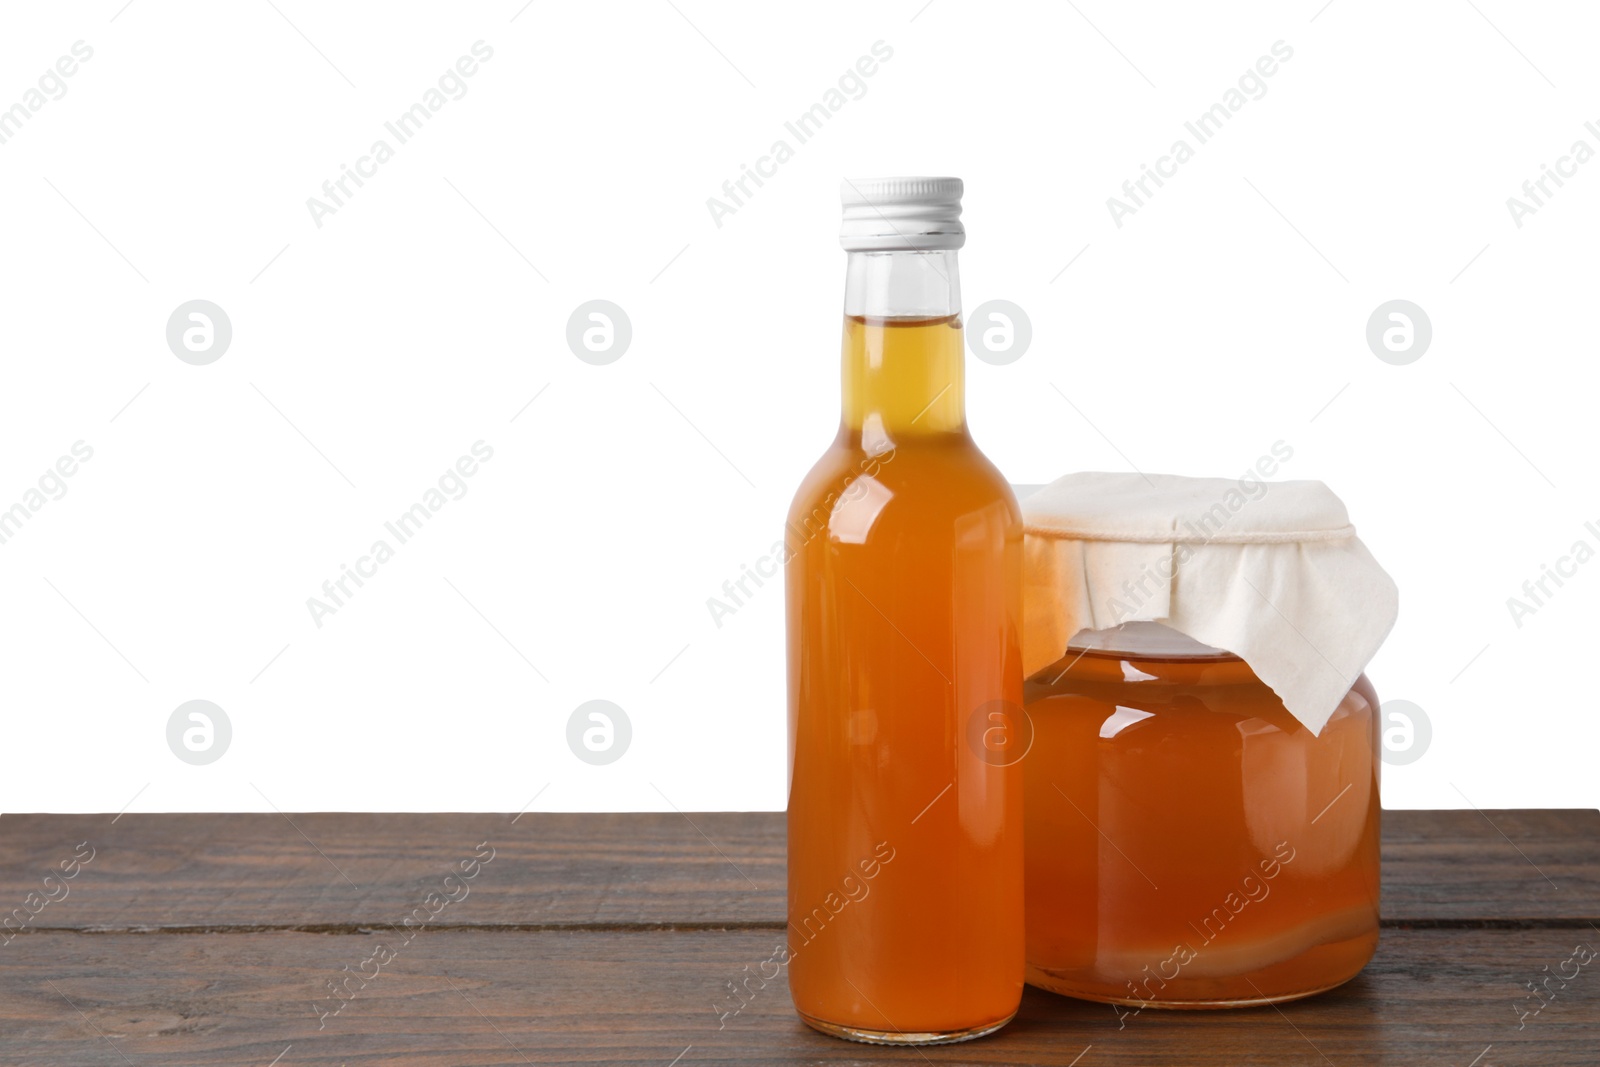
x=554 y=869
x=611 y=939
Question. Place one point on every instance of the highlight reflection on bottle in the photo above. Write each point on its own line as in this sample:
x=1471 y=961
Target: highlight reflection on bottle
x=903 y=581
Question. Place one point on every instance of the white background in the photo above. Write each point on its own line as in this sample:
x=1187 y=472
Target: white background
x=368 y=354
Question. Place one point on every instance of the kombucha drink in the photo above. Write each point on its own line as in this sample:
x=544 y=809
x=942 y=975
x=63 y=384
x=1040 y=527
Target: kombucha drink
x=1190 y=843
x=903 y=581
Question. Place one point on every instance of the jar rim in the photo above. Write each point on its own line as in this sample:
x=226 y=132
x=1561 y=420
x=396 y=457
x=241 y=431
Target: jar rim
x=1145 y=638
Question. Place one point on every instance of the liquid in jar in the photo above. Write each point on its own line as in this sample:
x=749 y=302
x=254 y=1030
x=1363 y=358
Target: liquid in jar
x=1190 y=844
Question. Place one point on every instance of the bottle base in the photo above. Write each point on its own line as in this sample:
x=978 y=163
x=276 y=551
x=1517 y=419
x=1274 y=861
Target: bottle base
x=904 y=1037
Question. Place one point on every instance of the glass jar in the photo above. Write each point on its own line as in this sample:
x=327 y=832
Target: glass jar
x=1189 y=843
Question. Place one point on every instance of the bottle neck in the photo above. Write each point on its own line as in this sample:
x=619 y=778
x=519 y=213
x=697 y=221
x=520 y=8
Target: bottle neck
x=903 y=369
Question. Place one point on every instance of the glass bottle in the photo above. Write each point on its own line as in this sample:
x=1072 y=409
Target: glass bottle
x=904 y=662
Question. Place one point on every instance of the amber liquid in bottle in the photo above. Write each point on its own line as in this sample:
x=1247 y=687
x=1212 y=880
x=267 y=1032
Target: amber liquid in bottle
x=905 y=842
x=1190 y=843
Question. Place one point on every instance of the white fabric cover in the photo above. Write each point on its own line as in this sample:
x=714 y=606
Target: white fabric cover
x=1270 y=571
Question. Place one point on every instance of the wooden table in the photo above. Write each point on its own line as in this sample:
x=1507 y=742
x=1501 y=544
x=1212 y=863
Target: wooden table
x=609 y=939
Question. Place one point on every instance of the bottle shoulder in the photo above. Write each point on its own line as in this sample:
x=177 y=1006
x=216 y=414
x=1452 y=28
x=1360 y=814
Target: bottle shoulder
x=930 y=480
